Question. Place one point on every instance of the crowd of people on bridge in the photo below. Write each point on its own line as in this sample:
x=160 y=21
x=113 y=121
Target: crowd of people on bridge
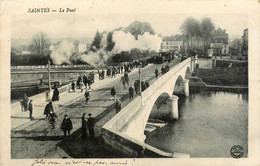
x=165 y=69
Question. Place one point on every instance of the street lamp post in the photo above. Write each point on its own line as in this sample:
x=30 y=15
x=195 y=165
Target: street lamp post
x=49 y=74
x=140 y=67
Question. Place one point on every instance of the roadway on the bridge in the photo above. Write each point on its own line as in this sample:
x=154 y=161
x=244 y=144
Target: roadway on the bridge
x=37 y=140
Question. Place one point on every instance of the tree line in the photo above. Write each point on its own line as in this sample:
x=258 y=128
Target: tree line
x=198 y=32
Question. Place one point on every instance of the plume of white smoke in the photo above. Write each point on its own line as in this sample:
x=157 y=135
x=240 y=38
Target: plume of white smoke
x=149 y=42
x=62 y=52
x=125 y=41
x=98 y=57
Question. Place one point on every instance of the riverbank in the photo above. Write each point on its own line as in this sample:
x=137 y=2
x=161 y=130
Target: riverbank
x=197 y=83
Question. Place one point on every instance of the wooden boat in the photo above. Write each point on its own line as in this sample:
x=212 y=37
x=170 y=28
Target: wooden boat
x=156 y=123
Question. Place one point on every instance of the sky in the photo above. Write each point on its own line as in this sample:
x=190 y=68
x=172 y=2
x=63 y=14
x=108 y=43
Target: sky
x=80 y=26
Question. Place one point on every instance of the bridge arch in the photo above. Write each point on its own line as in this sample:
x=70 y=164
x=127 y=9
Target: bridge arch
x=188 y=73
x=159 y=109
x=176 y=85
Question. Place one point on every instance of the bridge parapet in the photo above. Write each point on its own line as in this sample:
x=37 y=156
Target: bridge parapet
x=163 y=79
x=120 y=119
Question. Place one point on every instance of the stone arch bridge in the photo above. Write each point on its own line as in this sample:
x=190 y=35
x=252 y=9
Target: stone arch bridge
x=125 y=131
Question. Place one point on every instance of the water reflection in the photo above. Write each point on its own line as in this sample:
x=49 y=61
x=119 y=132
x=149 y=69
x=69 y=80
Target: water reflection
x=209 y=124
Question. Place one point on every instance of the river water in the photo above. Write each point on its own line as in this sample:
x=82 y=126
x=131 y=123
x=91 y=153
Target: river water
x=209 y=124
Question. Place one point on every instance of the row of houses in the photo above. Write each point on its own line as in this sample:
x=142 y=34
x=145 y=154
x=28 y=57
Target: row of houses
x=219 y=44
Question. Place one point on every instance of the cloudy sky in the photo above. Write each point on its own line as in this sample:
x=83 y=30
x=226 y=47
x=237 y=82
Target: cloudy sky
x=78 y=26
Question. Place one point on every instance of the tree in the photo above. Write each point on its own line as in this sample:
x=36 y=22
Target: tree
x=139 y=28
x=191 y=28
x=96 y=44
x=207 y=29
x=235 y=46
x=110 y=43
x=40 y=44
x=176 y=37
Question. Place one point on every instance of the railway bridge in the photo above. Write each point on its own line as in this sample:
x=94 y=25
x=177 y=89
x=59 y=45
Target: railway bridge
x=125 y=131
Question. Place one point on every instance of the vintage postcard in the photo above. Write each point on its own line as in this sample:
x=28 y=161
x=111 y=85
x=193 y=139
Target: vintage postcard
x=130 y=83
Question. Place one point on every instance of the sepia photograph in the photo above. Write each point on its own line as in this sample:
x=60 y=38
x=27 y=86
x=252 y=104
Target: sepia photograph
x=128 y=85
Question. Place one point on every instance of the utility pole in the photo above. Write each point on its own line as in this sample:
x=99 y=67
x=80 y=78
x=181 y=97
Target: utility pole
x=140 y=67
x=49 y=74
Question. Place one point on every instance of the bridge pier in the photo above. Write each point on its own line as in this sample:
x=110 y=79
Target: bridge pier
x=172 y=103
x=185 y=84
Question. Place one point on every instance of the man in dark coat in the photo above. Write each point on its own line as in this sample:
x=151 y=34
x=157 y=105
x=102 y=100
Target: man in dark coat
x=126 y=78
x=48 y=109
x=84 y=126
x=162 y=70
x=78 y=82
x=73 y=86
x=103 y=74
x=118 y=106
x=55 y=96
x=156 y=73
x=113 y=93
x=30 y=109
x=122 y=68
x=167 y=67
x=87 y=96
x=99 y=75
x=25 y=102
x=91 y=123
x=89 y=82
x=113 y=73
x=136 y=85
x=66 y=125
x=131 y=92
x=85 y=80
